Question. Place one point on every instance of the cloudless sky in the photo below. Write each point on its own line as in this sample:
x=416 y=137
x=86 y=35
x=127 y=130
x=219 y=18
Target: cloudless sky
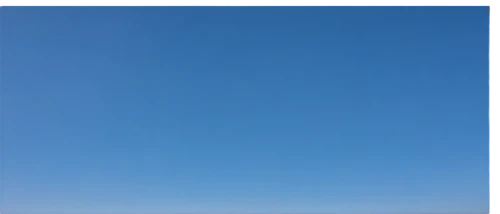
x=243 y=109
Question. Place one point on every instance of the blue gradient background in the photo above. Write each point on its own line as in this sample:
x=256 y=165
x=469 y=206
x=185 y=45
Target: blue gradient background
x=244 y=109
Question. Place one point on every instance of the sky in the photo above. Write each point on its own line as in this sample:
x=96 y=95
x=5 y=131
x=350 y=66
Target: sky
x=270 y=110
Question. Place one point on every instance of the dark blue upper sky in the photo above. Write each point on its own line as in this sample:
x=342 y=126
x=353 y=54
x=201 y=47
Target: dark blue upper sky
x=244 y=109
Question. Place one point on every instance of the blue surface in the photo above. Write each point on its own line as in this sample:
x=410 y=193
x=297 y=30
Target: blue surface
x=244 y=109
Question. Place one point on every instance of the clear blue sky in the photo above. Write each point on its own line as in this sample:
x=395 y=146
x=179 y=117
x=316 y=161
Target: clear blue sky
x=244 y=109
